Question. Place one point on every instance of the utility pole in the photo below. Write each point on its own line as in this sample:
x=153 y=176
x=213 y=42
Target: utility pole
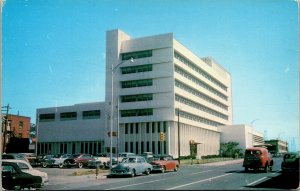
x=178 y=127
x=5 y=127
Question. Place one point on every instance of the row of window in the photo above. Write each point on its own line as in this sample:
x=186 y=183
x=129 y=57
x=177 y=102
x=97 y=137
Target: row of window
x=197 y=118
x=93 y=114
x=136 y=69
x=136 y=112
x=137 y=97
x=136 y=55
x=199 y=82
x=73 y=148
x=199 y=70
x=160 y=145
x=129 y=128
x=199 y=94
x=200 y=107
x=136 y=83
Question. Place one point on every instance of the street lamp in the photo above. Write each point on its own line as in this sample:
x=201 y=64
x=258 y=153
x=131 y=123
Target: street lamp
x=113 y=68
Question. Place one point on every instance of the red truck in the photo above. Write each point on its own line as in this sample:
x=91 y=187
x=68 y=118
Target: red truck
x=257 y=158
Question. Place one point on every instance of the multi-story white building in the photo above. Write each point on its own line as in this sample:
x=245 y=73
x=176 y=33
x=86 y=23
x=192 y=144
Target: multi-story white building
x=154 y=78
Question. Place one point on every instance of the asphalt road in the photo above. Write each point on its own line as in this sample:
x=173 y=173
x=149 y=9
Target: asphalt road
x=214 y=176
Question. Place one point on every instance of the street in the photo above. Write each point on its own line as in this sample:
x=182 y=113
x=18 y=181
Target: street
x=211 y=176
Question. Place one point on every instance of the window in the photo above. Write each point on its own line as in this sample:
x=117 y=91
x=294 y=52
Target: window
x=93 y=114
x=136 y=128
x=136 y=69
x=153 y=128
x=68 y=116
x=148 y=127
x=126 y=146
x=158 y=127
x=126 y=128
x=136 y=83
x=165 y=126
x=131 y=147
x=47 y=117
x=142 y=147
x=137 y=97
x=131 y=128
x=20 y=125
x=136 y=112
x=136 y=147
x=136 y=55
x=148 y=146
x=153 y=147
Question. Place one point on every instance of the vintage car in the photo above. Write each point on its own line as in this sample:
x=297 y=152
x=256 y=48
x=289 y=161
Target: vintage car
x=14 y=156
x=257 y=158
x=14 y=178
x=131 y=166
x=99 y=160
x=290 y=163
x=78 y=160
x=164 y=163
x=56 y=160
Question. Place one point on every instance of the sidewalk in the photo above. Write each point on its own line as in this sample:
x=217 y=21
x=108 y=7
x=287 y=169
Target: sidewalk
x=220 y=163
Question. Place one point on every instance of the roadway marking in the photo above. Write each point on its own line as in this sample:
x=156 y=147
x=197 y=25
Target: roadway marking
x=256 y=181
x=199 y=181
x=134 y=184
x=200 y=172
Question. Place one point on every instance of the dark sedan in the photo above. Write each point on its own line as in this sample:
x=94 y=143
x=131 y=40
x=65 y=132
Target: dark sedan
x=13 y=178
x=78 y=160
x=290 y=163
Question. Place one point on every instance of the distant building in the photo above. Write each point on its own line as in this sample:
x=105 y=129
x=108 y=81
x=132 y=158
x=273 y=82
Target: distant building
x=71 y=129
x=15 y=126
x=243 y=134
x=276 y=146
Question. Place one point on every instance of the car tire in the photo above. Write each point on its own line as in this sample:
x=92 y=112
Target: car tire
x=61 y=165
x=266 y=168
x=176 y=168
x=80 y=165
x=163 y=170
x=147 y=172
x=44 y=165
x=133 y=173
x=246 y=169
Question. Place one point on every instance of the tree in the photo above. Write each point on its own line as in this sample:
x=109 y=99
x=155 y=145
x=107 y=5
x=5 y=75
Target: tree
x=229 y=149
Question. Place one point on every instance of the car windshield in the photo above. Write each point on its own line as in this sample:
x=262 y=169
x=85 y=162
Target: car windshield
x=23 y=166
x=129 y=160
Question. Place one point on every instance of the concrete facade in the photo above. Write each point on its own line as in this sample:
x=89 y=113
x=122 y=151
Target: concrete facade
x=173 y=78
x=157 y=82
x=60 y=130
x=245 y=135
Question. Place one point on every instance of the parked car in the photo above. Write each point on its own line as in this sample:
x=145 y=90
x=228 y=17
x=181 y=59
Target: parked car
x=27 y=168
x=14 y=156
x=257 y=158
x=38 y=160
x=290 y=163
x=56 y=161
x=14 y=178
x=47 y=161
x=164 y=163
x=131 y=166
x=98 y=160
x=79 y=160
x=124 y=155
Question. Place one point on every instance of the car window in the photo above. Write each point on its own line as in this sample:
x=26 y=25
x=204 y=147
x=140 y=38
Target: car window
x=8 y=168
x=253 y=152
x=23 y=166
x=132 y=160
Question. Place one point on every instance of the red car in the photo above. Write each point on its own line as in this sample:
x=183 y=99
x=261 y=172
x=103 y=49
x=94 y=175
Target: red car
x=80 y=160
x=164 y=163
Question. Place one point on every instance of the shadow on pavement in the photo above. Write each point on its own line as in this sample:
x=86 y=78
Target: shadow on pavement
x=283 y=181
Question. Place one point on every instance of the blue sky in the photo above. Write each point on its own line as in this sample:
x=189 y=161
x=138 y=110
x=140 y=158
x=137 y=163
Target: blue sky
x=53 y=52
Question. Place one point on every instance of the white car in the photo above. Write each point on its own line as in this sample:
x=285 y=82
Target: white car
x=27 y=168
